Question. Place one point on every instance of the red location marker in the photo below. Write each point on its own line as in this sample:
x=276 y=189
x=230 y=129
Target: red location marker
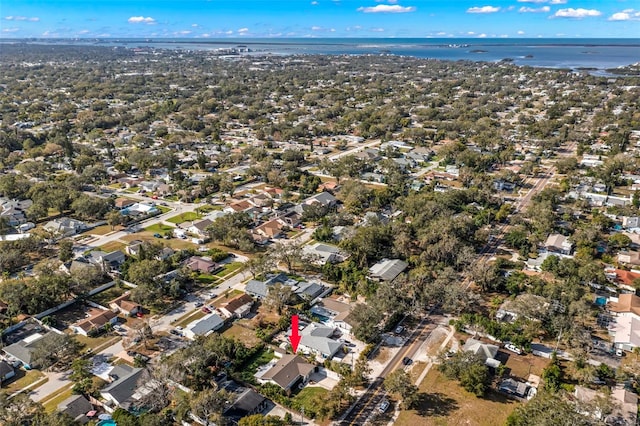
x=295 y=336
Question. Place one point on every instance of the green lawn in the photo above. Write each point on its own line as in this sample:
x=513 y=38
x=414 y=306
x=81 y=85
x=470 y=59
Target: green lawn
x=207 y=279
x=229 y=268
x=207 y=208
x=251 y=366
x=22 y=380
x=51 y=404
x=112 y=246
x=159 y=228
x=95 y=342
x=104 y=297
x=163 y=209
x=308 y=396
x=184 y=217
x=132 y=190
x=188 y=318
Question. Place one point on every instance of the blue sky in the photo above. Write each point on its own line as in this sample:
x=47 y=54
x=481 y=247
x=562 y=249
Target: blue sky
x=319 y=18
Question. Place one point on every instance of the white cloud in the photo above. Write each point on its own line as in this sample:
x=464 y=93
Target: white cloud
x=243 y=30
x=22 y=18
x=577 y=13
x=377 y=30
x=141 y=20
x=483 y=9
x=387 y=8
x=532 y=1
x=194 y=25
x=316 y=28
x=314 y=3
x=524 y=9
x=10 y=30
x=471 y=33
x=229 y=32
x=184 y=32
x=483 y=35
x=558 y=2
x=520 y=32
x=84 y=32
x=626 y=15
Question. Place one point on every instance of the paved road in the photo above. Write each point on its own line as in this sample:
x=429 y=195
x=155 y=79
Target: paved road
x=56 y=382
x=367 y=404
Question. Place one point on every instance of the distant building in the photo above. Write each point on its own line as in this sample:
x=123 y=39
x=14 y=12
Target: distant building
x=486 y=352
x=238 y=307
x=124 y=305
x=76 y=407
x=124 y=385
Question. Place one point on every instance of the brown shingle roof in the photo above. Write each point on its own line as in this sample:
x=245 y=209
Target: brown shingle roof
x=626 y=303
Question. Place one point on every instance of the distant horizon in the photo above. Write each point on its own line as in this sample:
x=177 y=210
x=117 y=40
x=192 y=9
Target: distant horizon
x=368 y=37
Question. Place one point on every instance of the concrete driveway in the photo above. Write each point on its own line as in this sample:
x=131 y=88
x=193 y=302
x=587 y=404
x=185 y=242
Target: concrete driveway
x=56 y=382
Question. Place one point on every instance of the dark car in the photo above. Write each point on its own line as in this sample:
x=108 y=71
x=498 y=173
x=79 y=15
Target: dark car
x=407 y=361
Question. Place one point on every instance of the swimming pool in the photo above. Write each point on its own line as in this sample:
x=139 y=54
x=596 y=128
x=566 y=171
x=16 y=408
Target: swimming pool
x=601 y=301
x=109 y=422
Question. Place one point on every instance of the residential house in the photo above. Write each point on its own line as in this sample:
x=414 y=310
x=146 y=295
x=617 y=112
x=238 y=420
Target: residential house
x=321 y=253
x=149 y=186
x=65 y=226
x=248 y=403
x=261 y=200
x=122 y=203
x=6 y=371
x=125 y=306
x=626 y=329
x=514 y=388
x=630 y=222
x=203 y=326
x=623 y=279
x=287 y=372
x=387 y=269
x=239 y=207
x=324 y=200
x=485 y=351
x=76 y=407
x=202 y=265
x=238 y=307
x=558 y=243
x=20 y=353
x=308 y=291
x=625 y=411
x=96 y=320
x=629 y=257
x=271 y=229
x=14 y=211
x=528 y=305
x=199 y=228
x=107 y=261
x=133 y=249
x=291 y=218
x=318 y=339
x=137 y=209
x=337 y=312
x=257 y=289
x=124 y=385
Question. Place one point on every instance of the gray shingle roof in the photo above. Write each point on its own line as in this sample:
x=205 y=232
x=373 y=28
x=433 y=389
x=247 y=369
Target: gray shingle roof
x=388 y=270
x=125 y=385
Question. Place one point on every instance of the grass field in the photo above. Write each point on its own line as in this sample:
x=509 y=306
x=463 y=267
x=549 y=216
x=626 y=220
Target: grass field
x=229 y=268
x=184 y=217
x=100 y=230
x=112 y=246
x=208 y=208
x=22 y=380
x=308 y=396
x=243 y=333
x=94 y=342
x=51 y=403
x=159 y=228
x=444 y=402
x=207 y=279
x=191 y=316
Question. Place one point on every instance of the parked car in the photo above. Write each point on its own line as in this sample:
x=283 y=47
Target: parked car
x=407 y=361
x=157 y=235
x=619 y=352
x=384 y=406
x=206 y=310
x=399 y=329
x=174 y=332
x=513 y=348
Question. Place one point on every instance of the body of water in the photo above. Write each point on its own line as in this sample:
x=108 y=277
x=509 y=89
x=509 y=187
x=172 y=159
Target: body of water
x=598 y=54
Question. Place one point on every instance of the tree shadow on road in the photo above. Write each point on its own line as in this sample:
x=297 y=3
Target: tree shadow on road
x=435 y=404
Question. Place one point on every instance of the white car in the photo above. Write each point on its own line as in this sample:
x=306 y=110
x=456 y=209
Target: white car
x=513 y=348
x=384 y=406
